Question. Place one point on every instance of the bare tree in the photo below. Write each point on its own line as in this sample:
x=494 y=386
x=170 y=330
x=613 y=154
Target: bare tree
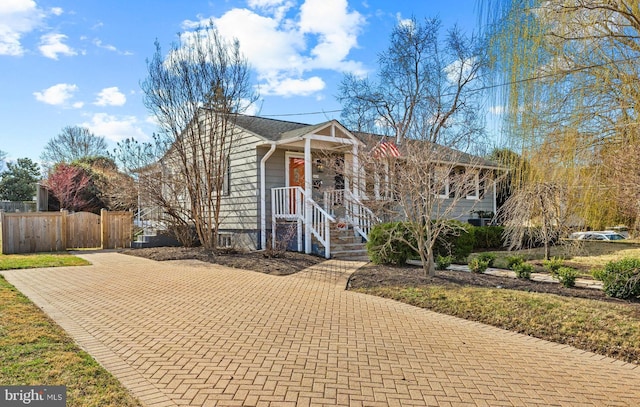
x=426 y=98
x=195 y=93
x=73 y=143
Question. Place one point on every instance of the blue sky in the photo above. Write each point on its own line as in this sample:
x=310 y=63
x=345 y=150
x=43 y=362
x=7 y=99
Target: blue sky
x=80 y=62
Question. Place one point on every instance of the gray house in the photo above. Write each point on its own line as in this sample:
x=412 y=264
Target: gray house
x=308 y=185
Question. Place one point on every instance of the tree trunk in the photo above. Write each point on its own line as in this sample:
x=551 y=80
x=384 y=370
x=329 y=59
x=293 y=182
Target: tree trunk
x=428 y=264
x=546 y=249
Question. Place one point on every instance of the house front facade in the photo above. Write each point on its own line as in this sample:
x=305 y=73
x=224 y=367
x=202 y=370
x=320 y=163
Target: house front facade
x=299 y=183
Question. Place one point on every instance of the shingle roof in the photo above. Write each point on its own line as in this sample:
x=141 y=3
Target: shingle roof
x=276 y=130
x=445 y=154
x=271 y=129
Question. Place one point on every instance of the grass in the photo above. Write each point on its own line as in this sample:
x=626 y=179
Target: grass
x=584 y=256
x=606 y=328
x=35 y=351
x=24 y=261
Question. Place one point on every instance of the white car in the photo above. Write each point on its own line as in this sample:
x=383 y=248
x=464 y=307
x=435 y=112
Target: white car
x=597 y=235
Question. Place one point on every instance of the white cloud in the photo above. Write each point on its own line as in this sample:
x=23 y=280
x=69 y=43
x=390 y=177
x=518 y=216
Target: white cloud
x=98 y=43
x=115 y=128
x=17 y=17
x=264 y=3
x=57 y=11
x=459 y=69
x=497 y=110
x=57 y=95
x=285 y=44
x=52 y=44
x=405 y=22
x=292 y=87
x=110 y=97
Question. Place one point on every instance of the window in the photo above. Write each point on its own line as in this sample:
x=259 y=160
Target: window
x=225 y=240
x=473 y=185
x=441 y=182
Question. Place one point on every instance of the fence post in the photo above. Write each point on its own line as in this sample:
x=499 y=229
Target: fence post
x=104 y=229
x=2 y=239
x=64 y=232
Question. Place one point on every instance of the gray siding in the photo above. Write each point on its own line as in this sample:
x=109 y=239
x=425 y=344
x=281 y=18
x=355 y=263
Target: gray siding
x=239 y=210
x=274 y=176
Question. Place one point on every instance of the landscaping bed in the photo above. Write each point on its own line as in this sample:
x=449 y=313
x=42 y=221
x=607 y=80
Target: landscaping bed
x=285 y=264
x=403 y=276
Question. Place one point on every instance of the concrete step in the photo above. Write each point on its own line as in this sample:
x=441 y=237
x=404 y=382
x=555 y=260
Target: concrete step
x=356 y=255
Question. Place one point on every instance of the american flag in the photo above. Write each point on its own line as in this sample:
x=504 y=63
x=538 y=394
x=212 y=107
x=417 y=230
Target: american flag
x=385 y=149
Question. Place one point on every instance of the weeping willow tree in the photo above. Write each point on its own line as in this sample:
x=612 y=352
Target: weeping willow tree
x=568 y=77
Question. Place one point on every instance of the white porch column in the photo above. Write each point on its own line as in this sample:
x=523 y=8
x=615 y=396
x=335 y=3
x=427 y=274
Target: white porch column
x=308 y=184
x=357 y=179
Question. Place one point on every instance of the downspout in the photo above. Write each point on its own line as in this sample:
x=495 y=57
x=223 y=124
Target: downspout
x=263 y=199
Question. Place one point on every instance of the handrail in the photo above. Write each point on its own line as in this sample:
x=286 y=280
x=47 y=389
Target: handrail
x=287 y=203
x=362 y=222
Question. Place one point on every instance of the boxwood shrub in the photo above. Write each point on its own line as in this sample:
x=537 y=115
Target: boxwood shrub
x=488 y=237
x=458 y=242
x=386 y=245
x=621 y=279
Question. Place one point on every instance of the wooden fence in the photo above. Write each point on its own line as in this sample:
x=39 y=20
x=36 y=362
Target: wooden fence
x=25 y=206
x=58 y=231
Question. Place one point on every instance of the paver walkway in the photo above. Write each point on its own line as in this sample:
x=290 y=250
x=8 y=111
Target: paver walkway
x=195 y=334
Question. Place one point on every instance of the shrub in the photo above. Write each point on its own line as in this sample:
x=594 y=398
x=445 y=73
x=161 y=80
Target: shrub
x=478 y=266
x=513 y=261
x=488 y=237
x=458 y=242
x=553 y=265
x=442 y=262
x=567 y=276
x=490 y=258
x=523 y=270
x=387 y=244
x=621 y=279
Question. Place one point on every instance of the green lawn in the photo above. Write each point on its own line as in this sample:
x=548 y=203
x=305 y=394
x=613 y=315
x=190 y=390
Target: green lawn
x=36 y=351
x=25 y=261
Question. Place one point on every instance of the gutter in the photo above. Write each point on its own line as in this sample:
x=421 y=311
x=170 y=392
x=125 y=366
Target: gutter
x=263 y=199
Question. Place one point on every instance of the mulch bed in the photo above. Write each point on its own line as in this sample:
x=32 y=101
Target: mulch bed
x=368 y=276
x=289 y=263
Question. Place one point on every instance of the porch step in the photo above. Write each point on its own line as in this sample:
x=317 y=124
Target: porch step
x=346 y=245
x=353 y=254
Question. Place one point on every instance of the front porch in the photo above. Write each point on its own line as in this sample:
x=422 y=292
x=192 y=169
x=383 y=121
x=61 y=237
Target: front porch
x=318 y=191
x=340 y=219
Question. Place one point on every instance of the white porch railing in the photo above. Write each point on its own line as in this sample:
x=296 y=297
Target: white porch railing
x=288 y=203
x=357 y=214
x=332 y=199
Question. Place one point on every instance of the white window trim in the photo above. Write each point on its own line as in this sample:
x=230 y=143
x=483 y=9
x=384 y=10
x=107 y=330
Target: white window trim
x=445 y=195
x=446 y=181
x=476 y=182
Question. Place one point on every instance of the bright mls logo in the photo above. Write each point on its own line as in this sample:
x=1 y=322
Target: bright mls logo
x=40 y=396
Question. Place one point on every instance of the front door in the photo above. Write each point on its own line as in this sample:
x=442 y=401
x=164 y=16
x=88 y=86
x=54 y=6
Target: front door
x=296 y=172
x=296 y=179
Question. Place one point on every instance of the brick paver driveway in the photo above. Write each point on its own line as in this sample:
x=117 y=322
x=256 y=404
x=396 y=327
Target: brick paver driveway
x=189 y=333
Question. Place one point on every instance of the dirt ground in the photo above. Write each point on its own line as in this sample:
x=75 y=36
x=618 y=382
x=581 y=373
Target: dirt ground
x=290 y=263
x=368 y=276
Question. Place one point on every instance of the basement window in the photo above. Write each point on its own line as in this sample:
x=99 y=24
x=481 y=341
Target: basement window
x=225 y=240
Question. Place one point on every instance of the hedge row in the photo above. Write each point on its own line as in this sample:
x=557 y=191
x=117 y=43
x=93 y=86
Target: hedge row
x=389 y=242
